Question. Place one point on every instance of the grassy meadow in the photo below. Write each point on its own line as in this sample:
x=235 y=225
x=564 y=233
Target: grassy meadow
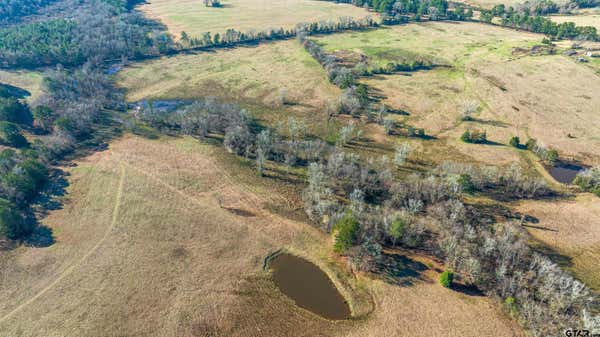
x=144 y=248
x=517 y=93
x=194 y=18
x=246 y=74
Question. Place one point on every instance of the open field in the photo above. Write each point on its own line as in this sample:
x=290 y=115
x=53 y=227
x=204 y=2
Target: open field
x=143 y=248
x=580 y=20
x=246 y=74
x=518 y=93
x=28 y=80
x=572 y=229
x=194 y=18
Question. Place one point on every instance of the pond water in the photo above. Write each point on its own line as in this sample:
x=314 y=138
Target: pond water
x=309 y=287
x=564 y=172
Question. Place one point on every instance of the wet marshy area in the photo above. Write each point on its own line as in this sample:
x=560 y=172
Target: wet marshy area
x=308 y=286
x=564 y=172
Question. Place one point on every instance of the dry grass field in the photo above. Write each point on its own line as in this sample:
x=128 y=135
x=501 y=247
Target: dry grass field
x=580 y=20
x=194 y=18
x=144 y=248
x=28 y=80
x=572 y=229
x=518 y=94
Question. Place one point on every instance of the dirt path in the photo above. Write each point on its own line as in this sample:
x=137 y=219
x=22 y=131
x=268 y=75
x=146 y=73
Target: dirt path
x=70 y=269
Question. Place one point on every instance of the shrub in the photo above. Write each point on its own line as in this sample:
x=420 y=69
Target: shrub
x=43 y=117
x=514 y=141
x=589 y=180
x=474 y=136
x=11 y=135
x=397 y=230
x=531 y=143
x=347 y=228
x=446 y=278
x=466 y=183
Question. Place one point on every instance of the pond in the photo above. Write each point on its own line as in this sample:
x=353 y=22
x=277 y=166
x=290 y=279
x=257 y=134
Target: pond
x=309 y=287
x=564 y=172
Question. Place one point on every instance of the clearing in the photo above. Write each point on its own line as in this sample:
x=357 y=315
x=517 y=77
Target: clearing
x=28 y=80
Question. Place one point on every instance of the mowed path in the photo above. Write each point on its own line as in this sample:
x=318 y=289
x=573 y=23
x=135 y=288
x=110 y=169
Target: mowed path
x=143 y=248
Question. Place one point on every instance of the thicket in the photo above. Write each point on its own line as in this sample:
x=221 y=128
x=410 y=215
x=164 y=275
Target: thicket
x=589 y=180
x=494 y=257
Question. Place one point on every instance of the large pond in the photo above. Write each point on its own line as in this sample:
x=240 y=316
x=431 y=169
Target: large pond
x=564 y=172
x=309 y=287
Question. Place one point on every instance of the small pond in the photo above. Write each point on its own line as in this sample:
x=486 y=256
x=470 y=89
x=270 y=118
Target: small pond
x=309 y=287
x=564 y=172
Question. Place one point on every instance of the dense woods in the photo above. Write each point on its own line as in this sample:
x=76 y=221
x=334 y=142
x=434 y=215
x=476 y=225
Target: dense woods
x=93 y=29
x=12 y=10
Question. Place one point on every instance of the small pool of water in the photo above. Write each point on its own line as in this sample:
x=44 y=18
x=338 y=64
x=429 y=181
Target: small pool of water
x=564 y=172
x=309 y=287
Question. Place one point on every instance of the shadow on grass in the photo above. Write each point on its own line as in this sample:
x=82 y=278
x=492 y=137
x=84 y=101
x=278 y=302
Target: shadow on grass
x=400 y=270
x=563 y=261
x=470 y=290
x=239 y=212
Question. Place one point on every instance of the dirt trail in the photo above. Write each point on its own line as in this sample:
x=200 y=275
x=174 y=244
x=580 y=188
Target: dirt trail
x=70 y=269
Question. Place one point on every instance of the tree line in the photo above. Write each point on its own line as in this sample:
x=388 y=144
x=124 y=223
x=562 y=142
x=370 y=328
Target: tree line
x=528 y=17
x=402 y=11
x=233 y=37
x=73 y=104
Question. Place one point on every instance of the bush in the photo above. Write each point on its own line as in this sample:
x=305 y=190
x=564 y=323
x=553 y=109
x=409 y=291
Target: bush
x=466 y=183
x=514 y=141
x=531 y=144
x=589 y=180
x=43 y=117
x=446 y=278
x=474 y=136
x=345 y=237
x=11 y=135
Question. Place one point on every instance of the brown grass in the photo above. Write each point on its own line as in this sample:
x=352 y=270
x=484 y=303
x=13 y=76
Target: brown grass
x=572 y=229
x=143 y=249
x=194 y=18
